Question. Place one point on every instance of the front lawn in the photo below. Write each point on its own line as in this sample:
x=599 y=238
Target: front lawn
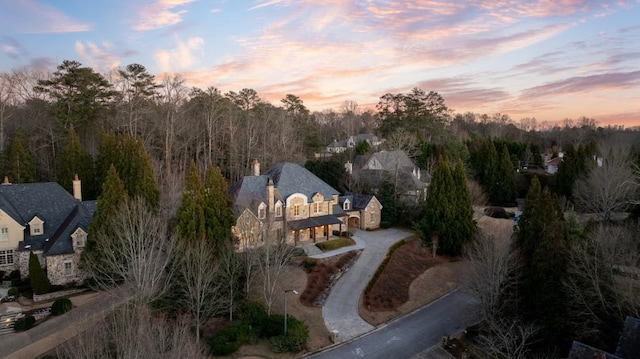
x=335 y=244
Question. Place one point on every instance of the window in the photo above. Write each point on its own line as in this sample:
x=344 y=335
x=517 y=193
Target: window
x=68 y=267
x=317 y=207
x=80 y=240
x=278 y=210
x=262 y=211
x=296 y=210
x=4 y=234
x=36 y=230
x=6 y=257
x=345 y=205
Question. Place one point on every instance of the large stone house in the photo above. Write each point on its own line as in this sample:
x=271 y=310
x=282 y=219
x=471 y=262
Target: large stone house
x=394 y=166
x=289 y=202
x=45 y=219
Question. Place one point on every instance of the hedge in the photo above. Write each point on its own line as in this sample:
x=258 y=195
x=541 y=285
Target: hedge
x=25 y=323
x=61 y=306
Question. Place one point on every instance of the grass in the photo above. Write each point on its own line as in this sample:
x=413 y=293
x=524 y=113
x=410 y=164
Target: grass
x=335 y=244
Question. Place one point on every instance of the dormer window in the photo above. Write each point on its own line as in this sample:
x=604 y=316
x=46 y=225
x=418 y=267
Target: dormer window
x=278 y=209
x=79 y=238
x=262 y=211
x=36 y=226
x=346 y=205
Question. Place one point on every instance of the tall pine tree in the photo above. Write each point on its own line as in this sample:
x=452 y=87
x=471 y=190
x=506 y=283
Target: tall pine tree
x=18 y=160
x=132 y=163
x=505 y=180
x=72 y=160
x=39 y=281
x=191 y=216
x=218 y=209
x=112 y=196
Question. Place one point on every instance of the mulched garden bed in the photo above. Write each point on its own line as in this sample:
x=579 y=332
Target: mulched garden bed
x=391 y=288
x=322 y=274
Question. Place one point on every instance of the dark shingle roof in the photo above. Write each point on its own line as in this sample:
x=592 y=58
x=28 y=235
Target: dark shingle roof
x=629 y=343
x=61 y=212
x=583 y=351
x=290 y=178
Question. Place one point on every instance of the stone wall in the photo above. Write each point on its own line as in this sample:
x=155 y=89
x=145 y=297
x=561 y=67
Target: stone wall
x=55 y=295
x=56 y=272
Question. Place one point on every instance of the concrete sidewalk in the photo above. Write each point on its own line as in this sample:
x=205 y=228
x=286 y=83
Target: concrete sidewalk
x=340 y=311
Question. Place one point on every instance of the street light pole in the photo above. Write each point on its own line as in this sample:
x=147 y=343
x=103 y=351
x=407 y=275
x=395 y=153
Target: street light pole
x=285 y=307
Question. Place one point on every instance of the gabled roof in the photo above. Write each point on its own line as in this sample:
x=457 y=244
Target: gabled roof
x=583 y=351
x=629 y=342
x=392 y=160
x=358 y=200
x=290 y=178
x=60 y=211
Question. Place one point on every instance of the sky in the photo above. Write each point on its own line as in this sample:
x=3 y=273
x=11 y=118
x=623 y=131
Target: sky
x=548 y=59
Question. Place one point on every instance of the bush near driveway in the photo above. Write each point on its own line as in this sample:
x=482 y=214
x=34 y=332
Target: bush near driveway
x=335 y=244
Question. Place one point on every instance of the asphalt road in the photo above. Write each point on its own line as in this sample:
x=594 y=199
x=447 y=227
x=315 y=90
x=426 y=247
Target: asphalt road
x=413 y=333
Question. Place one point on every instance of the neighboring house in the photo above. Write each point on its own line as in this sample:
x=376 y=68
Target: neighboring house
x=45 y=219
x=551 y=166
x=363 y=210
x=336 y=147
x=372 y=140
x=394 y=166
x=290 y=202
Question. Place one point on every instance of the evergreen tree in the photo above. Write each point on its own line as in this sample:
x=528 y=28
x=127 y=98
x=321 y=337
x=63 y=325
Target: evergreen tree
x=462 y=227
x=132 y=163
x=112 y=196
x=386 y=196
x=72 y=160
x=505 y=180
x=218 y=209
x=191 y=216
x=439 y=212
x=19 y=162
x=541 y=244
x=491 y=177
x=39 y=281
x=362 y=148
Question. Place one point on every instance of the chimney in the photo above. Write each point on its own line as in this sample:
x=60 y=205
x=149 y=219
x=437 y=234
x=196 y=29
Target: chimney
x=77 y=189
x=256 y=167
x=349 y=167
x=6 y=180
x=270 y=196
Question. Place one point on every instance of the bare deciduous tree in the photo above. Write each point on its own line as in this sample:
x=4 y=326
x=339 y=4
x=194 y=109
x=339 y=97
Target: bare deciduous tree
x=137 y=256
x=198 y=282
x=505 y=338
x=492 y=261
x=133 y=332
x=231 y=268
x=609 y=187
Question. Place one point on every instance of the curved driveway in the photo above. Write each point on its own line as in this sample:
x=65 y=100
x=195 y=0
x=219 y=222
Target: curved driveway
x=340 y=311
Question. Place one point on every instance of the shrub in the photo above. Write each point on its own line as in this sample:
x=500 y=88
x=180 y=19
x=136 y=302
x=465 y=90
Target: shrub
x=15 y=274
x=385 y=224
x=13 y=291
x=61 y=306
x=295 y=340
x=25 y=323
x=39 y=280
x=308 y=265
x=273 y=326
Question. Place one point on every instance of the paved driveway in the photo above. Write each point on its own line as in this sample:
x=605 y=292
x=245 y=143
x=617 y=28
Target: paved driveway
x=340 y=311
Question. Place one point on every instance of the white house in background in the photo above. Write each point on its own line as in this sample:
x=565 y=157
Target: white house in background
x=45 y=219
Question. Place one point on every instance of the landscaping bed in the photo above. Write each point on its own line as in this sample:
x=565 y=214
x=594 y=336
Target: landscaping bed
x=335 y=244
x=322 y=274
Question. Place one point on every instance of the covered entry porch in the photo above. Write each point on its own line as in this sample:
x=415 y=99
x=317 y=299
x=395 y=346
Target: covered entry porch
x=314 y=228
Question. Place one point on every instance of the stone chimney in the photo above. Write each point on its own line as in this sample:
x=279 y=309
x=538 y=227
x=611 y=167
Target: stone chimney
x=256 y=167
x=349 y=167
x=77 y=188
x=6 y=180
x=271 y=207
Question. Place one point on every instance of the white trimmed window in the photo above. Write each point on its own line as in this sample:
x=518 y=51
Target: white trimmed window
x=278 y=210
x=68 y=267
x=262 y=211
x=346 y=205
x=4 y=234
x=6 y=257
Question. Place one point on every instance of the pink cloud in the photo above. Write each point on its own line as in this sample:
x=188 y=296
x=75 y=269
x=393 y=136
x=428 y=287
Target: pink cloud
x=160 y=13
x=29 y=16
x=616 y=80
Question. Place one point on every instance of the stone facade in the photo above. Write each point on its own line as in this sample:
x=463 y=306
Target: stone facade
x=64 y=269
